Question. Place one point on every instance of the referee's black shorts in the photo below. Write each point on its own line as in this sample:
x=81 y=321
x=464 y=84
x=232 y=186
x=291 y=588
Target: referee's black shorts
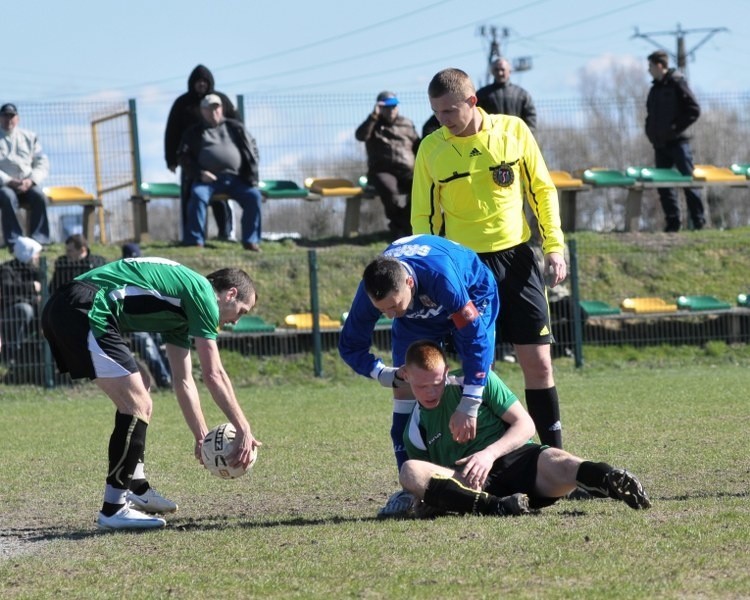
x=524 y=310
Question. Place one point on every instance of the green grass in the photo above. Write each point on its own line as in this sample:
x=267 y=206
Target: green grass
x=301 y=524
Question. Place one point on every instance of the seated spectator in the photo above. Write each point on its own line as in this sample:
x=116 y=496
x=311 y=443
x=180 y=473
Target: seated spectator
x=220 y=157
x=149 y=346
x=76 y=260
x=184 y=113
x=20 y=297
x=23 y=167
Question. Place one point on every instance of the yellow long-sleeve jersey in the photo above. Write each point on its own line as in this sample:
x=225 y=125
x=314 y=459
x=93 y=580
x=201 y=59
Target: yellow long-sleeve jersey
x=473 y=186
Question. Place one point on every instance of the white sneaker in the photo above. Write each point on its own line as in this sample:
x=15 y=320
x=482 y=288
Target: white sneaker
x=129 y=518
x=151 y=501
x=399 y=506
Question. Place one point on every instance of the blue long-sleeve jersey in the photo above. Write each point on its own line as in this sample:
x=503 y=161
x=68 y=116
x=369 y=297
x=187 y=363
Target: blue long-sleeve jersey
x=447 y=276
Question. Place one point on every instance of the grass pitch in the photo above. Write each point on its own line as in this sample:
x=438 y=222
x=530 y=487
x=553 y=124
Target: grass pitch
x=301 y=524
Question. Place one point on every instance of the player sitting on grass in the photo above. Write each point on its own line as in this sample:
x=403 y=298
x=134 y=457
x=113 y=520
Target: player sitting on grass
x=500 y=471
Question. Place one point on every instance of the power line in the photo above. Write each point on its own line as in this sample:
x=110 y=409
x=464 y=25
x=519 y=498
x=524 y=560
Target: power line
x=681 y=56
x=350 y=57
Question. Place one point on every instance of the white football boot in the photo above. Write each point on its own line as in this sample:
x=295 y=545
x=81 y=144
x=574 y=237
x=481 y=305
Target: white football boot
x=129 y=518
x=151 y=501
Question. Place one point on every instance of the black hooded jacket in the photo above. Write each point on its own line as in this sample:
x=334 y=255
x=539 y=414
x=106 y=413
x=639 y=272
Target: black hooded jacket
x=671 y=108
x=186 y=112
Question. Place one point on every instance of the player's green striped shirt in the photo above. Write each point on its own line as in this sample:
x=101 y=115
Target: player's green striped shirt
x=428 y=436
x=155 y=295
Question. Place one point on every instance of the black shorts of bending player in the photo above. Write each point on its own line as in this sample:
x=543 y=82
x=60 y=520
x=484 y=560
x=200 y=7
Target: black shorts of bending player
x=524 y=310
x=66 y=326
x=516 y=473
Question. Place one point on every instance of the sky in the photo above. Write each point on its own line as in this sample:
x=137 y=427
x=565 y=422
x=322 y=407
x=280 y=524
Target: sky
x=145 y=49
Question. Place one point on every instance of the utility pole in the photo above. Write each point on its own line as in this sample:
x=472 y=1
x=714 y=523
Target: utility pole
x=522 y=63
x=682 y=55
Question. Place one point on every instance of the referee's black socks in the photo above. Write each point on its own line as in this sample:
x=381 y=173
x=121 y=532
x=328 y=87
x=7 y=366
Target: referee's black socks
x=544 y=408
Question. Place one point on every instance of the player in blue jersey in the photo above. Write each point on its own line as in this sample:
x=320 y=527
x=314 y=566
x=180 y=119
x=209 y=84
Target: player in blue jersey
x=433 y=289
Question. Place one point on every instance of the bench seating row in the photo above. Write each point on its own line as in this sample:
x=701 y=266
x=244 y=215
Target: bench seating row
x=636 y=180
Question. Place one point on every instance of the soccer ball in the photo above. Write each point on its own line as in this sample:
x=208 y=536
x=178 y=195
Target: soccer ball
x=216 y=446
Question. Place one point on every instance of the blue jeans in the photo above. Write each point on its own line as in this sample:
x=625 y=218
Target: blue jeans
x=35 y=202
x=248 y=197
x=148 y=347
x=678 y=155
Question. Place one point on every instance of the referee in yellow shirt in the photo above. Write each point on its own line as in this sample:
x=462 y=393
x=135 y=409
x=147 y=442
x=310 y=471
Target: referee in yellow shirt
x=469 y=182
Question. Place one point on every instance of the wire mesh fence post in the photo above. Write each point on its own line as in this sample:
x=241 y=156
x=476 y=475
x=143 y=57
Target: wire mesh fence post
x=576 y=305
x=312 y=262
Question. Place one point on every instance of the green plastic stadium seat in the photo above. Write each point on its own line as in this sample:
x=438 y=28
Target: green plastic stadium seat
x=657 y=175
x=607 y=178
x=743 y=300
x=701 y=303
x=251 y=324
x=369 y=190
x=160 y=190
x=597 y=308
x=282 y=188
x=647 y=305
x=741 y=169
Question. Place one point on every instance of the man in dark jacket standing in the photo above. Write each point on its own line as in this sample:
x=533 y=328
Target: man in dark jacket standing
x=505 y=98
x=671 y=108
x=220 y=157
x=184 y=114
x=391 y=141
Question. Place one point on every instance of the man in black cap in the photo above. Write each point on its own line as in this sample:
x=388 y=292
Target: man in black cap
x=391 y=142
x=23 y=167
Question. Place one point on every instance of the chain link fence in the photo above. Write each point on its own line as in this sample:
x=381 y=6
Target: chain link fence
x=103 y=148
x=605 y=275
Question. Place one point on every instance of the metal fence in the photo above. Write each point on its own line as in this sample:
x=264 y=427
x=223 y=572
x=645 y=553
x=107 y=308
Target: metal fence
x=605 y=271
x=107 y=148
x=90 y=146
